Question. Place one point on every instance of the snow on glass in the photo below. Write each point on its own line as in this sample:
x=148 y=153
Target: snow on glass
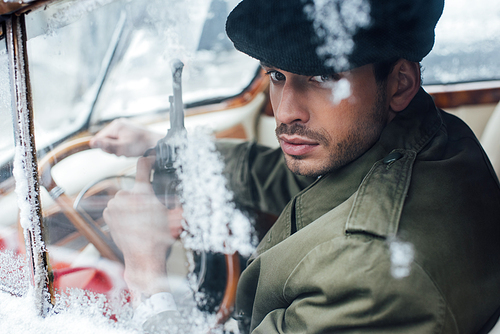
x=214 y=222
x=214 y=225
x=79 y=311
x=336 y=22
x=75 y=312
x=13 y=273
x=24 y=172
x=28 y=215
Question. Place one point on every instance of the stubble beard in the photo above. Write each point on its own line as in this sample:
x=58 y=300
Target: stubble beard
x=359 y=140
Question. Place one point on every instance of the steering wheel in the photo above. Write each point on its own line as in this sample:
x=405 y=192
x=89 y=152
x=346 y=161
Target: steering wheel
x=86 y=225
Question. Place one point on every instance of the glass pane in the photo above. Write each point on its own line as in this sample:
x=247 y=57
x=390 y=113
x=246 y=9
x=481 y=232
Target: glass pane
x=156 y=33
x=98 y=62
x=67 y=62
x=467 y=44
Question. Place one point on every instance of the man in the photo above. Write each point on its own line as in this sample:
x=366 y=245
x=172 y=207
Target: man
x=389 y=169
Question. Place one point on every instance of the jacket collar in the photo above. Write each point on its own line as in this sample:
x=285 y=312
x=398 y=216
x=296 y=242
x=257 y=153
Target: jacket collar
x=379 y=200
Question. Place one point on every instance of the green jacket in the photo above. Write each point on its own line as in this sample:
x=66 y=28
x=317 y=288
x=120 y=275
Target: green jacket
x=426 y=184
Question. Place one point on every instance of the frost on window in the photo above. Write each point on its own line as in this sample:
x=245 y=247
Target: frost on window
x=13 y=273
x=336 y=22
x=214 y=222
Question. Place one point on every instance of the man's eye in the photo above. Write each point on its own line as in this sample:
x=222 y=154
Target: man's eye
x=276 y=76
x=324 y=78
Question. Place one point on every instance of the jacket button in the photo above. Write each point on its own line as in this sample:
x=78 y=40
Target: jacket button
x=393 y=156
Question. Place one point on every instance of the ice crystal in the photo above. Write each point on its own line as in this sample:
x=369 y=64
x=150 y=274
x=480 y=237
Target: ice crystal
x=213 y=221
x=84 y=314
x=28 y=214
x=13 y=273
x=335 y=22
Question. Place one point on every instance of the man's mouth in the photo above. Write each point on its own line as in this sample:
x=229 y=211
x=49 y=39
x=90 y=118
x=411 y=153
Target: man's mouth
x=296 y=145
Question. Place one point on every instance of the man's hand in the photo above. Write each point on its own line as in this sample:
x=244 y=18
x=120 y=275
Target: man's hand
x=143 y=229
x=123 y=137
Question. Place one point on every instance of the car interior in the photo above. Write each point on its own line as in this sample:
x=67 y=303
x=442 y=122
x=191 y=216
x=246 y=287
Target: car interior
x=88 y=63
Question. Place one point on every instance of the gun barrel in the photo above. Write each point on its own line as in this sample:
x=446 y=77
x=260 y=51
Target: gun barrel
x=164 y=177
x=177 y=112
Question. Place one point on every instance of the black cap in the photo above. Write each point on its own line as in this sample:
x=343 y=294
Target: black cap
x=281 y=33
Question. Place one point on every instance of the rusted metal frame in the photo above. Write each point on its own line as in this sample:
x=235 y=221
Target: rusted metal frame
x=23 y=6
x=80 y=219
x=26 y=163
x=34 y=5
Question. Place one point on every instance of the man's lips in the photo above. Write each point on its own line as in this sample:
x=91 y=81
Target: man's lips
x=297 y=146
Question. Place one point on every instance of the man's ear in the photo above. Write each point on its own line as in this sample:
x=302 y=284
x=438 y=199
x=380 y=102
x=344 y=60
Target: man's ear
x=403 y=84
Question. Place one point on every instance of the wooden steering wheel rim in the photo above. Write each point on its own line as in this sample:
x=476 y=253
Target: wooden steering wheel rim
x=65 y=202
x=81 y=144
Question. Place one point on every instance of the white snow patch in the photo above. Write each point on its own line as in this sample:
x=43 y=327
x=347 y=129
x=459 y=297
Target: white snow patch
x=13 y=273
x=341 y=90
x=78 y=311
x=213 y=221
x=402 y=256
x=83 y=313
x=27 y=214
x=336 y=21
x=75 y=311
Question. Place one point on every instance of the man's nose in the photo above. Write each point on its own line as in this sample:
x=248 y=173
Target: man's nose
x=292 y=106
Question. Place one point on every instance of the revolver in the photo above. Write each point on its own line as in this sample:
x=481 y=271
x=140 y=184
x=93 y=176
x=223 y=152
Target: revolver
x=165 y=180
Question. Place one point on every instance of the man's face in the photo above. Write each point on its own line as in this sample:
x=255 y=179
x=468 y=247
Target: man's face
x=318 y=135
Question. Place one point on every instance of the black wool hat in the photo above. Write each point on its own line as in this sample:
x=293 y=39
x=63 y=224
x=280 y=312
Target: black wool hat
x=292 y=35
